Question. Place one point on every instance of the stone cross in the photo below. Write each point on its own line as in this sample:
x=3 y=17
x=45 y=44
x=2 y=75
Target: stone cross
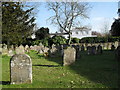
x=20 y=69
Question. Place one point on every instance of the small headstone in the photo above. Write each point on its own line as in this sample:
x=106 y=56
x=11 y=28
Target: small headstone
x=112 y=47
x=82 y=48
x=20 y=69
x=69 y=56
x=118 y=53
x=10 y=52
x=20 y=50
x=94 y=50
x=116 y=44
x=89 y=50
x=99 y=49
x=26 y=48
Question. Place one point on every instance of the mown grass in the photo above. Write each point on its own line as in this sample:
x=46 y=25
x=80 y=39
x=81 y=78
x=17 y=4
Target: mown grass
x=90 y=71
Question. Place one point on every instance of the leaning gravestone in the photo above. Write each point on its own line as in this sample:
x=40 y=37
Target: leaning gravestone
x=20 y=69
x=69 y=56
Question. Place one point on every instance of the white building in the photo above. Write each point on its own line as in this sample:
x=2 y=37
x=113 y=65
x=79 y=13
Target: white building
x=77 y=33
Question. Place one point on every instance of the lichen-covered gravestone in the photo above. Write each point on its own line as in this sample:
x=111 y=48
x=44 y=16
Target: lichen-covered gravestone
x=20 y=50
x=20 y=69
x=69 y=56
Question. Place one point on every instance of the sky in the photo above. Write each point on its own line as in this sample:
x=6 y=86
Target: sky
x=100 y=13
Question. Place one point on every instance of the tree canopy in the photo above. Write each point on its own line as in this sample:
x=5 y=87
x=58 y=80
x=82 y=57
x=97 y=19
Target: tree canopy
x=115 y=28
x=66 y=15
x=17 y=23
x=42 y=33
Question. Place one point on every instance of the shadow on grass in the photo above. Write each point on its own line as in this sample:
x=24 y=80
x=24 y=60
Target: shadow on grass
x=97 y=68
x=4 y=82
x=47 y=65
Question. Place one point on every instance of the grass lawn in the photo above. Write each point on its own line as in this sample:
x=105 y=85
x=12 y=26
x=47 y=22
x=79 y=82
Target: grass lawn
x=90 y=71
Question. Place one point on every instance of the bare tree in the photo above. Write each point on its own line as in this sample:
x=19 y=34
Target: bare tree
x=105 y=27
x=67 y=15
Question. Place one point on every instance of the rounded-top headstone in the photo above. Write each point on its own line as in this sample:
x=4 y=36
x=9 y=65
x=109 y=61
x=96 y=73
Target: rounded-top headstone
x=20 y=69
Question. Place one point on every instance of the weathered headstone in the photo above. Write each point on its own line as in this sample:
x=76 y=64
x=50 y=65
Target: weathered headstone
x=4 y=49
x=26 y=48
x=82 y=48
x=112 y=47
x=10 y=52
x=94 y=50
x=99 y=49
x=0 y=48
x=116 y=44
x=20 y=50
x=89 y=50
x=20 y=69
x=69 y=56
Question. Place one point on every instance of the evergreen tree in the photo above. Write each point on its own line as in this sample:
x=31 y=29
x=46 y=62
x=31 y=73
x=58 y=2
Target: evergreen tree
x=42 y=33
x=17 y=24
x=115 y=28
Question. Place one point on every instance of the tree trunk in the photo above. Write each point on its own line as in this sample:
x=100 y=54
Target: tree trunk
x=69 y=39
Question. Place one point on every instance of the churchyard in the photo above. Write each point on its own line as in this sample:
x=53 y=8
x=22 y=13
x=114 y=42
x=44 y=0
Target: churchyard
x=60 y=67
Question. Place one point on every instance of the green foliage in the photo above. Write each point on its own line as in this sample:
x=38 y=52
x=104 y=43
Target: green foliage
x=17 y=24
x=115 y=28
x=58 y=40
x=99 y=39
x=75 y=40
x=42 y=33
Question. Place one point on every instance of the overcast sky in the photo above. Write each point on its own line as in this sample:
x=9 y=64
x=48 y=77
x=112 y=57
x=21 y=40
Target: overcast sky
x=101 y=12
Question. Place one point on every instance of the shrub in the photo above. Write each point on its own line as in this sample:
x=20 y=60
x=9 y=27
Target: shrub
x=58 y=40
x=75 y=40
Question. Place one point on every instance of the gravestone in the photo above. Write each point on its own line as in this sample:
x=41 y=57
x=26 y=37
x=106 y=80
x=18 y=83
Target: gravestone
x=69 y=56
x=10 y=52
x=118 y=53
x=112 y=47
x=54 y=51
x=89 y=50
x=82 y=48
x=0 y=48
x=99 y=49
x=20 y=50
x=26 y=48
x=20 y=69
x=116 y=44
x=4 y=49
x=94 y=50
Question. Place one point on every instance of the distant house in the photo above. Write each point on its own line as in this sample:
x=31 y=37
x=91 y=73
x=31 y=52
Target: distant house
x=79 y=32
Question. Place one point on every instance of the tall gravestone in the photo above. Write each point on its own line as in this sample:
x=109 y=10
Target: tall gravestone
x=20 y=69
x=69 y=56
